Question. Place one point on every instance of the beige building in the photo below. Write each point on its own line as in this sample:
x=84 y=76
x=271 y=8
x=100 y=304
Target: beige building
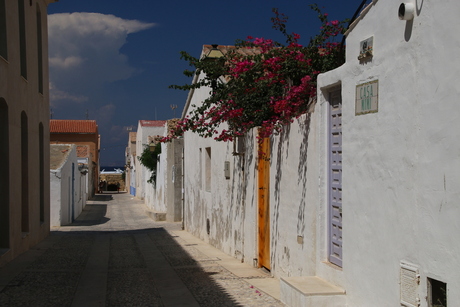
x=24 y=126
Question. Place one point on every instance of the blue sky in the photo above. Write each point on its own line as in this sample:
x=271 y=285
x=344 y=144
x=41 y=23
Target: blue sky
x=113 y=61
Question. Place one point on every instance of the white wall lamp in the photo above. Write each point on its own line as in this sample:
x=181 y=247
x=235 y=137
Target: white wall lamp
x=406 y=11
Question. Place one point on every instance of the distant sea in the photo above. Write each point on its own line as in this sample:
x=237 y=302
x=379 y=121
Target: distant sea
x=111 y=168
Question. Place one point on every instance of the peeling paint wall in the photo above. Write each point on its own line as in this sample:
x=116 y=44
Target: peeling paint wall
x=230 y=209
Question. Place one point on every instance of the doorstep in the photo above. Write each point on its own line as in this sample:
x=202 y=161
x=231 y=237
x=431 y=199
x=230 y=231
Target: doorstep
x=310 y=291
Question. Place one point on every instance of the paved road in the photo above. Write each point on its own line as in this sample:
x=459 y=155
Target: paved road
x=115 y=255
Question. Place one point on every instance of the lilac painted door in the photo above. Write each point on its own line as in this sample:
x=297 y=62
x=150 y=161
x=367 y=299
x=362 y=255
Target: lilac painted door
x=335 y=177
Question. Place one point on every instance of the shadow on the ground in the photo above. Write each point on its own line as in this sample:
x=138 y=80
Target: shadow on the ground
x=129 y=279
x=102 y=197
x=91 y=215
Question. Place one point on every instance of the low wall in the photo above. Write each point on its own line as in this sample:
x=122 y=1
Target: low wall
x=112 y=179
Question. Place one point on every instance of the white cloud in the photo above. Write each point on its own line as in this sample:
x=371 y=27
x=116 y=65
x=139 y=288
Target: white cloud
x=68 y=62
x=84 y=49
x=57 y=95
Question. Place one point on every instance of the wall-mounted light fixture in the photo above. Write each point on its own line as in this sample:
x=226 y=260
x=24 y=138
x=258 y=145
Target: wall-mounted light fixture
x=406 y=11
x=214 y=53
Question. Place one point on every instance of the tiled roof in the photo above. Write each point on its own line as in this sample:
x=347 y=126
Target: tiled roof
x=225 y=49
x=73 y=126
x=152 y=123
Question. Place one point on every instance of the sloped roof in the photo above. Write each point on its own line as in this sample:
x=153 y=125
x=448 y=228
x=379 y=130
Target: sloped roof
x=73 y=126
x=58 y=155
x=363 y=13
x=152 y=123
x=224 y=49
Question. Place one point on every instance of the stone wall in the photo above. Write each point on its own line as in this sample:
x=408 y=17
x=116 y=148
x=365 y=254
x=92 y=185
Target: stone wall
x=112 y=179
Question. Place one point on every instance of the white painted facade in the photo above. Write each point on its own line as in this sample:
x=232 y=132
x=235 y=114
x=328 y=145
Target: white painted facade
x=401 y=164
x=219 y=211
x=400 y=170
x=142 y=174
x=67 y=186
x=165 y=195
x=155 y=195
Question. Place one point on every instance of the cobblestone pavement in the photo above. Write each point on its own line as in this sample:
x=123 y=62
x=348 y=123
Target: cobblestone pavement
x=115 y=255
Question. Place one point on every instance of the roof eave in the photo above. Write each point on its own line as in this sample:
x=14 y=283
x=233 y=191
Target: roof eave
x=361 y=16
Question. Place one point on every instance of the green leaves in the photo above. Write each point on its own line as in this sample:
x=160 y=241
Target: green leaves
x=149 y=159
x=267 y=84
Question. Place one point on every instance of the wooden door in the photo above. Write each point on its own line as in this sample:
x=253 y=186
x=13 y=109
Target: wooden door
x=263 y=204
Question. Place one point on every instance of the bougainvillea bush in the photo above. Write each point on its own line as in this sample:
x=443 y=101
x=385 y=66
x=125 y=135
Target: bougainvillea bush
x=260 y=83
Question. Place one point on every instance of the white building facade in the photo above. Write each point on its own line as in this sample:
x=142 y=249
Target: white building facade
x=145 y=129
x=67 y=185
x=363 y=190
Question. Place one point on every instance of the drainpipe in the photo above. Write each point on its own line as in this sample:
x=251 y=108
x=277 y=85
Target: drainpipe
x=182 y=190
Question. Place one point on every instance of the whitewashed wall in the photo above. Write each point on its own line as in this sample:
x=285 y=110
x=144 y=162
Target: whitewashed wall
x=293 y=198
x=132 y=174
x=61 y=191
x=400 y=165
x=158 y=202
x=400 y=168
x=142 y=173
x=229 y=206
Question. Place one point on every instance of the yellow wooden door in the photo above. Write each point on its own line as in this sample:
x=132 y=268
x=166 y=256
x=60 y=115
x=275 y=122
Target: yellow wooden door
x=263 y=203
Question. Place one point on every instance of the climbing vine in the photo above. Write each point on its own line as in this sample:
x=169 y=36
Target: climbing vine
x=149 y=159
x=260 y=83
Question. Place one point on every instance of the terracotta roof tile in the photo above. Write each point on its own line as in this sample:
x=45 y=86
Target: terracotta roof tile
x=152 y=123
x=73 y=126
x=224 y=49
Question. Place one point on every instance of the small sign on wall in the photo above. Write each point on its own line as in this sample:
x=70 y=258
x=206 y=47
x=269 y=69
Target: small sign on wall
x=366 y=48
x=367 y=98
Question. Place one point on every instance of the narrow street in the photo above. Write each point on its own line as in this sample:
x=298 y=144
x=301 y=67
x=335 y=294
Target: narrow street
x=115 y=255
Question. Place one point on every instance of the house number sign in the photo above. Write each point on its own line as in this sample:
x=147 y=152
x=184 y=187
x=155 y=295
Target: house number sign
x=367 y=98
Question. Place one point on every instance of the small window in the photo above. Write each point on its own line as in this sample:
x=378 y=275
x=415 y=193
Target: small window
x=40 y=50
x=22 y=38
x=3 y=36
x=437 y=293
x=200 y=175
x=239 y=146
x=24 y=173
x=4 y=174
x=41 y=154
x=207 y=165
